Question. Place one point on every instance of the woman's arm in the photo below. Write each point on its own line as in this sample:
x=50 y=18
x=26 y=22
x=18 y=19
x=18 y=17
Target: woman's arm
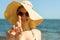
x=14 y=32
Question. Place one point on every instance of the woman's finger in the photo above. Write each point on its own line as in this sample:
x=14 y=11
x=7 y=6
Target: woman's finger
x=19 y=19
x=13 y=26
x=18 y=24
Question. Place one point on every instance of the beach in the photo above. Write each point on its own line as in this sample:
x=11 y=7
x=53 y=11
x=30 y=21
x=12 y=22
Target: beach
x=2 y=38
x=50 y=29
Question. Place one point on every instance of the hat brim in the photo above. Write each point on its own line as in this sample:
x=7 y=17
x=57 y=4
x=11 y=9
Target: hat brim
x=10 y=14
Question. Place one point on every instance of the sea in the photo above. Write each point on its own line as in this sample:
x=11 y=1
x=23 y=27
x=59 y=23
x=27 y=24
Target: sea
x=50 y=29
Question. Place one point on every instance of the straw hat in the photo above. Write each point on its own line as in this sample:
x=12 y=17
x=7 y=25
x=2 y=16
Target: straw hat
x=10 y=13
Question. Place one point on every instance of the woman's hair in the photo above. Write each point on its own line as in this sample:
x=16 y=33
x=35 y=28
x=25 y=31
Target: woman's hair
x=20 y=13
x=19 y=8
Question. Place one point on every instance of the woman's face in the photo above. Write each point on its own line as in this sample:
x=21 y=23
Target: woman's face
x=24 y=18
x=23 y=13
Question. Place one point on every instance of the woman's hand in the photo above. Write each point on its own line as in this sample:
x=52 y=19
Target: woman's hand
x=16 y=29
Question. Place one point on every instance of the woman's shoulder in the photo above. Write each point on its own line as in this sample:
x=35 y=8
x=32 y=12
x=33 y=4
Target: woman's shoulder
x=36 y=30
x=37 y=34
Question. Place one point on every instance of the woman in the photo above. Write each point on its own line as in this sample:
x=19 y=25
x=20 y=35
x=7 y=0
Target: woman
x=24 y=19
x=26 y=26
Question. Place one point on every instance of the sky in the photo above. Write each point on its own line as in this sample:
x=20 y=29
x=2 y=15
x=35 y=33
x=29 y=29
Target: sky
x=48 y=9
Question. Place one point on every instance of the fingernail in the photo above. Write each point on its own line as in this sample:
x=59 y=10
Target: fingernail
x=19 y=18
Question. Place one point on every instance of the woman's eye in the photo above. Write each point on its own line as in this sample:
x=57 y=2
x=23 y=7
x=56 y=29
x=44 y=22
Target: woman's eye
x=27 y=14
x=20 y=14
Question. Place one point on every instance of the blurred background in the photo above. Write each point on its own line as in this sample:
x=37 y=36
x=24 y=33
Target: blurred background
x=48 y=9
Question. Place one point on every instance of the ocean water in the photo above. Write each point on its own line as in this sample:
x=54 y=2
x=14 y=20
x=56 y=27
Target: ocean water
x=50 y=29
